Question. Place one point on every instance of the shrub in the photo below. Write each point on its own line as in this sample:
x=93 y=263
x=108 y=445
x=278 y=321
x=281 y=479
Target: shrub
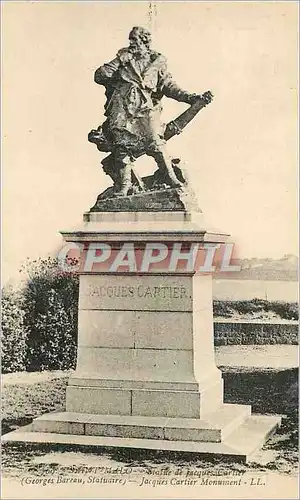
x=50 y=298
x=285 y=310
x=13 y=334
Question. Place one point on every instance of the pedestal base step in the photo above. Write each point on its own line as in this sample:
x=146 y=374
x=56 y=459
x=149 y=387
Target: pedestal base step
x=240 y=445
x=214 y=428
x=240 y=442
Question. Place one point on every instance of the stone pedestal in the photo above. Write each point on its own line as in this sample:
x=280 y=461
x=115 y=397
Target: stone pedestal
x=145 y=345
x=146 y=375
x=146 y=350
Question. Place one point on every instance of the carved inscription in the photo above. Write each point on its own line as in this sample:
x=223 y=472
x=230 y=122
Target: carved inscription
x=135 y=293
x=140 y=291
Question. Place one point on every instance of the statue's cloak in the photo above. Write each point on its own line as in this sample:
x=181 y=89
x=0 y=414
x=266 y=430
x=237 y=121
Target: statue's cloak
x=133 y=105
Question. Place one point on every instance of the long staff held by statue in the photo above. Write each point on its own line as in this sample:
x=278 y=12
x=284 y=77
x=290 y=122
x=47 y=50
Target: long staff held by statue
x=174 y=127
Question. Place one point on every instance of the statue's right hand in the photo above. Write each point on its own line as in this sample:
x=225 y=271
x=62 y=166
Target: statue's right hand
x=125 y=56
x=206 y=98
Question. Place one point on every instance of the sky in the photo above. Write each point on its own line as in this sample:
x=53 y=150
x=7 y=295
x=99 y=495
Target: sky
x=241 y=151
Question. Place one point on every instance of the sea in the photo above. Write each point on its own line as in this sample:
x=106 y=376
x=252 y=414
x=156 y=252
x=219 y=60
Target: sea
x=286 y=291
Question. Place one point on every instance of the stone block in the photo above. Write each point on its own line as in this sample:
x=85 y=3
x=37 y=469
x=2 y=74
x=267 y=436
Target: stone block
x=166 y=403
x=163 y=330
x=106 y=328
x=211 y=397
x=137 y=364
x=172 y=403
x=204 y=355
x=184 y=434
x=202 y=292
x=58 y=427
x=149 y=217
x=101 y=401
x=127 y=431
x=139 y=329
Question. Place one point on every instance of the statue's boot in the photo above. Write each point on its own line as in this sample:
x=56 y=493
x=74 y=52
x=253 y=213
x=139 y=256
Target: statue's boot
x=124 y=184
x=174 y=182
x=164 y=163
x=108 y=166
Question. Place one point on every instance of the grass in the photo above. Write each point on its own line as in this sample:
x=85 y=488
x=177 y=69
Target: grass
x=21 y=402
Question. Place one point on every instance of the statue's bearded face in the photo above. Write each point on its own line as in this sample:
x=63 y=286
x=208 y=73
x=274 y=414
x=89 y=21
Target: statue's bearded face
x=139 y=42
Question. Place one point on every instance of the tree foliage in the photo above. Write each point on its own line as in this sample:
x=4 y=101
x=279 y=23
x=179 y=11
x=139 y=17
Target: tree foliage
x=50 y=298
x=13 y=334
x=39 y=322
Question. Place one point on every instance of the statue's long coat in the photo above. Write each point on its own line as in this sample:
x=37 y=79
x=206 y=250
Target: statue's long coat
x=133 y=102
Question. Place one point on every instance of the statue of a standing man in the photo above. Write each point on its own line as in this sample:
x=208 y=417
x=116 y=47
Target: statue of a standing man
x=135 y=82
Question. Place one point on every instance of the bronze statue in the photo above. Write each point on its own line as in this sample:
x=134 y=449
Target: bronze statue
x=135 y=82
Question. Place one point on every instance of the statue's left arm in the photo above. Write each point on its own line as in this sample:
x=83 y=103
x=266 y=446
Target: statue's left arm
x=169 y=87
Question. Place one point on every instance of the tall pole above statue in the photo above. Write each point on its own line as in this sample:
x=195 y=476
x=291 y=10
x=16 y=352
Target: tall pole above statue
x=152 y=14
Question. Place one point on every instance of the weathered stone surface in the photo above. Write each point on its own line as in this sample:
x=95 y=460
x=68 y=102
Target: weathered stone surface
x=161 y=200
x=128 y=431
x=59 y=426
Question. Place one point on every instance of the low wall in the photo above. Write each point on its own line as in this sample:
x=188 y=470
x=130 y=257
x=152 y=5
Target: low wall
x=229 y=332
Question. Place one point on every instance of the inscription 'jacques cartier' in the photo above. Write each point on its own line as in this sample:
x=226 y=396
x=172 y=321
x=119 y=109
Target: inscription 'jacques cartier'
x=164 y=292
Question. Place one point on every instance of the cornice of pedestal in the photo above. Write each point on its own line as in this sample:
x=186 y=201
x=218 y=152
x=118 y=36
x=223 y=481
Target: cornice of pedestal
x=144 y=226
